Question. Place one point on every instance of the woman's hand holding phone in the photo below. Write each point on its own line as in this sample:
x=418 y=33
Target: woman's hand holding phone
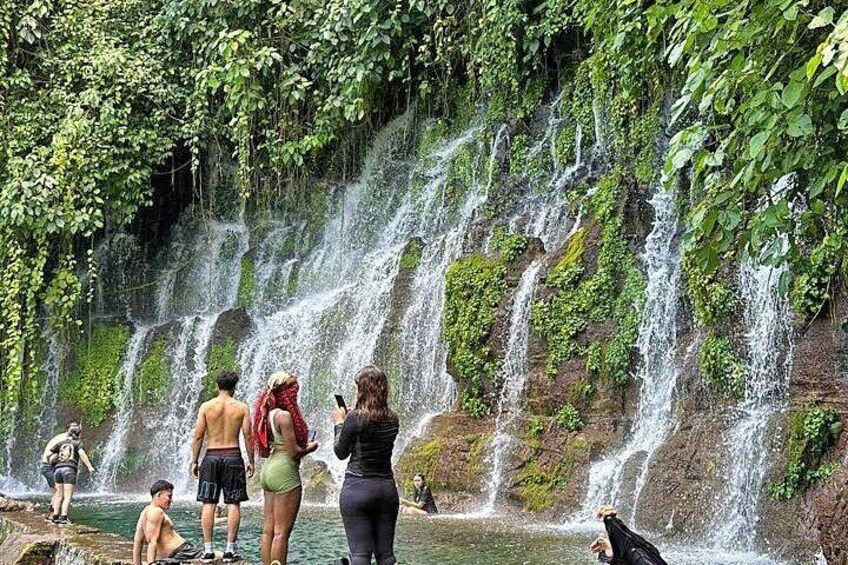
x=339 y=415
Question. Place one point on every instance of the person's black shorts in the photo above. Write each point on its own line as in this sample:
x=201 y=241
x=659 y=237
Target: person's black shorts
x=222 y=470
x=186 y=552
x=47 y=471
x=65 y=475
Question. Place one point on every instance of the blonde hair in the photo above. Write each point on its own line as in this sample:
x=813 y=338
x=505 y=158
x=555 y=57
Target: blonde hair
x=280 y=379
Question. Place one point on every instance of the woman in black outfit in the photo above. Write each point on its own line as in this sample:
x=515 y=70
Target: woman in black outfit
x=369 y=498
x=622 y=546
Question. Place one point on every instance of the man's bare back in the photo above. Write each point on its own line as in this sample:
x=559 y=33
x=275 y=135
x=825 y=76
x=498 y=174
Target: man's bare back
x=224 y=418
x=222 y=471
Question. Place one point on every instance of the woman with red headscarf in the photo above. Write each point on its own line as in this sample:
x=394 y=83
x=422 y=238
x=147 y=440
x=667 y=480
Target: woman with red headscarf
x=281 y=436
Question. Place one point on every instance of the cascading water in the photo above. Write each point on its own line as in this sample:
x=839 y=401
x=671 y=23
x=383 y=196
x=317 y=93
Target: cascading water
x=514 y=373
x=768 y=337
x=331 y=326
x=115 y=448
x=209 y=285
x=657 y=343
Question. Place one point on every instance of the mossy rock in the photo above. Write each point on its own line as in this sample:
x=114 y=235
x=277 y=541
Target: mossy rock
x=475 y=286
x=411 y=257
x=151 y=376
x=247 y=282
x=222 y=356
x=94 y=382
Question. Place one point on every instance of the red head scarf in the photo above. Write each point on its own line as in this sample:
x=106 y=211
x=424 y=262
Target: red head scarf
x=282 y=394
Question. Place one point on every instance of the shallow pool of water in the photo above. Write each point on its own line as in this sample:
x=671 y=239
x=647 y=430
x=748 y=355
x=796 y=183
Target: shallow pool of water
x=319 y=538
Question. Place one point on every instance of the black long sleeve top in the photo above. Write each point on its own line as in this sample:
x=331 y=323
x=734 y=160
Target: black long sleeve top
x=368 y=444
x=629 y=548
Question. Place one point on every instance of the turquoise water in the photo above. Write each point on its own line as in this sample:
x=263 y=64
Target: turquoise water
x=319 y=537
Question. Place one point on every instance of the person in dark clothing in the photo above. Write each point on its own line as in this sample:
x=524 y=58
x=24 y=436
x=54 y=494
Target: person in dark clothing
x=422 y=503
x=369 y=499
x=622 y=546
x=68 y=454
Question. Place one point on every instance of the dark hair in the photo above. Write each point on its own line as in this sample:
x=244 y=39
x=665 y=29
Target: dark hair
x=423 y=480
x=159 y=486
x=74 y=430
x=372 y=400
x=227 y=380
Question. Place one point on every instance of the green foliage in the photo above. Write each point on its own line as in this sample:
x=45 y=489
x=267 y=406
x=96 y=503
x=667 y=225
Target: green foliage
x=151 y=376
x=411 y=257
x=614 y=291
x=222 y=356
x=812 y=287
x=91 y=387
x=474 y=287
x=811 y=433
x=247 y=282
x=594 y=359
x=568 y=417
x=509 y=245
x=754 y=119
x=432 y=136
x=713 y=298
x=461 y=176
x=720 y=366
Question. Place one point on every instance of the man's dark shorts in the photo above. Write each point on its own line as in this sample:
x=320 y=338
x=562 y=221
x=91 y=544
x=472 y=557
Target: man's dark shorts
x=186 y=552
x=222 y=470
x=65 y=475
x=47 y=471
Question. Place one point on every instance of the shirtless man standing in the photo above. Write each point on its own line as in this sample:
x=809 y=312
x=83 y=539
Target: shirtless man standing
x=156 y=529
x=219 y=421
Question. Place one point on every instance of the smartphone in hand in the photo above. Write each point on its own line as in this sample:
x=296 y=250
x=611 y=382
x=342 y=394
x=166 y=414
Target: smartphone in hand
x=312 y=435
x=340 y=402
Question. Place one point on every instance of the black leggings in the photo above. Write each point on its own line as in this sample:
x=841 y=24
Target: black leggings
x=369 y=511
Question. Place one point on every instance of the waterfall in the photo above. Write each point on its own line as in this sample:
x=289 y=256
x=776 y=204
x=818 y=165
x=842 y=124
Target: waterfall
x=46 y=425
x=657 y=344
x=205 y=287
x=768 y=339
x=514 y=373
x=330 y=326
x=115 y=448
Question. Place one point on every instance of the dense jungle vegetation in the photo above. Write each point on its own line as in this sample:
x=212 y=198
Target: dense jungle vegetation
x=99 y=97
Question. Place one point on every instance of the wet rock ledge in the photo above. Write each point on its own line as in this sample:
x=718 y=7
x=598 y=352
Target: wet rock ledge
x=26 y=539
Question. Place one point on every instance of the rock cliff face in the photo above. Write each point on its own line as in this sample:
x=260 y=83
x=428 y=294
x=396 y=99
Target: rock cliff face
x=547 y=473
x=820 y=379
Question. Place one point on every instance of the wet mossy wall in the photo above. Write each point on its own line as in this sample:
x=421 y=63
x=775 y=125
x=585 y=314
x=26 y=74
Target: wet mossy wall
x=92 y=384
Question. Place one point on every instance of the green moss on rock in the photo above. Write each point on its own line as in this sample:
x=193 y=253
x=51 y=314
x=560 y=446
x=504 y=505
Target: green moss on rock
x=411 y=257
x=614 y=291
x=720 y=366
x=509 y=245
x=151 y=377
x=811 y=434
x=92 y=385
x=222 y=356
x=475 y=286
x=247 y=282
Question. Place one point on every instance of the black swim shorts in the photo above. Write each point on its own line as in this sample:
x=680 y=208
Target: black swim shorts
x=65 y=475
x=222 y=470
x=186 y=552
x=47 y=471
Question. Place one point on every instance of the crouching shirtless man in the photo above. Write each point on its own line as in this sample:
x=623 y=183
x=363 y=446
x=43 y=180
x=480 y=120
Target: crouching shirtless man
x=157 y=530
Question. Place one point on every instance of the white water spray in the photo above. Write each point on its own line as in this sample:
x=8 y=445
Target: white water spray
x=515 y=371
x=657 y=343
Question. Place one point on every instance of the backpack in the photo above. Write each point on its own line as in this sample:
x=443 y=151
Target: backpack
x=67 y=452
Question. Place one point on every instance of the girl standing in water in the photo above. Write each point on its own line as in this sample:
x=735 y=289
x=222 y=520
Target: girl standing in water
x=281 y=436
